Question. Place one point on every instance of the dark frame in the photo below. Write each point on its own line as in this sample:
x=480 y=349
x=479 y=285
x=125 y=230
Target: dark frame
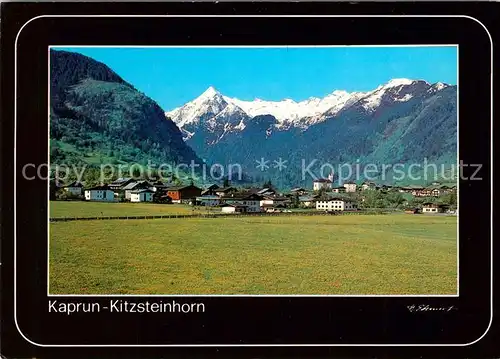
x=280 y=320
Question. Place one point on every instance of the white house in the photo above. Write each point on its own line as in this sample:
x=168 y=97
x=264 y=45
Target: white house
x=233 y=208
x=322 y=183
x=142 y=195
x=350 y=187
x=251 y=202
x=273 y=201
x=336 y=204
x=368 y=185
x=74 y=188
x=135 y=186
x=120 y=183
x=433 y=208
x=100 y=193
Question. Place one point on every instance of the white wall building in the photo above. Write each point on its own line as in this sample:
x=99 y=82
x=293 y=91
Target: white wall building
x=336 y=204
x=100 y=193
x=143 y=195
x=252 y=202
x=350 y=187
x=322 y=183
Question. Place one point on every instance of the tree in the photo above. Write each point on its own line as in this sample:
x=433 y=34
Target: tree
x=395 y=199
x=226 y=183
x=268 y=184
x=63 y=195
x=450 y=199
x=323 y=193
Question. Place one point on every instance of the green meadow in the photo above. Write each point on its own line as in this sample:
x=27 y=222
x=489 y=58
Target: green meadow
x=99 y=209
x=344 y=255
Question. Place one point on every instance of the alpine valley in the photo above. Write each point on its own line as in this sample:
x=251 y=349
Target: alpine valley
x=97 y=117
x=401 y=122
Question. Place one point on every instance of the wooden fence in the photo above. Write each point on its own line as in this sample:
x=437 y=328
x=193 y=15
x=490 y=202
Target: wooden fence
x=217 y=215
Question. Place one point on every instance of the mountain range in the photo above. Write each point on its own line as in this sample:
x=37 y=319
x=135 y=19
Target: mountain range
x=400 y=122
x=97 y=117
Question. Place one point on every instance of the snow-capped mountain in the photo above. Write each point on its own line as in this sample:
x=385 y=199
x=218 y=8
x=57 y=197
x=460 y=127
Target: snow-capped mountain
x=217 y=111
x=401 y=121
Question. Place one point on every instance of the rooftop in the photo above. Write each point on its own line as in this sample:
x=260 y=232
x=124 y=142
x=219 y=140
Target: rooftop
x=145 y=190
x=323 y=180
x=178 y=188
x=121 y=180
x=98 y=188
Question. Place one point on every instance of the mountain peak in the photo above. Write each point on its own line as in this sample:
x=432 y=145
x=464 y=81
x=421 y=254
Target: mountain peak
x=210 y=92
x=399 y=82
x=440 y=85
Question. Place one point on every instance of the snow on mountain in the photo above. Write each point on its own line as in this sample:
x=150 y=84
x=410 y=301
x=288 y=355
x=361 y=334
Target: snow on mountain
x=210 y=103
x=394 y=90
x=211 y=106
x=438 y=86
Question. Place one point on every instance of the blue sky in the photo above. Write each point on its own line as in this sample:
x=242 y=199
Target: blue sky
x=174 y=76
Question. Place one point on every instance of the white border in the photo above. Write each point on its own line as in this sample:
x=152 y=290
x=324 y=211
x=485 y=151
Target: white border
x=249 y=345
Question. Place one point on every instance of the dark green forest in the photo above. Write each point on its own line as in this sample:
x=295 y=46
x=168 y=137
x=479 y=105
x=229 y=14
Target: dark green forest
x=96 y=117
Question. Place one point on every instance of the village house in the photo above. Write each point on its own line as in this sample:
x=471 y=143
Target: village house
x=142 y=195
x=322 y=183
x=233 y=208
x=120 y=183
x=299 y=191
x=413 y=189
x=100 y=193
x=368 y=186
x=336 y=204
x=266 y=192
x=161 y=196
x=436 y=192
x=251 y=201
x=183 y=194
x=439 y=190
x=424 y=192
x=208 y=200
x=135 y=186
x=433 y=208
x=350 y=186
x=210 y=190
x=159 y=185
x=225 y=191
x=273 y=201
x=75 y=188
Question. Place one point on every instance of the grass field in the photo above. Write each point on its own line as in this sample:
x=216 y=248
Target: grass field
x=97 y=209
x=376 y=254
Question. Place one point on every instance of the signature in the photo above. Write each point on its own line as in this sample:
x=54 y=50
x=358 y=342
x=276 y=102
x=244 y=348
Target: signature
x=427 y=308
